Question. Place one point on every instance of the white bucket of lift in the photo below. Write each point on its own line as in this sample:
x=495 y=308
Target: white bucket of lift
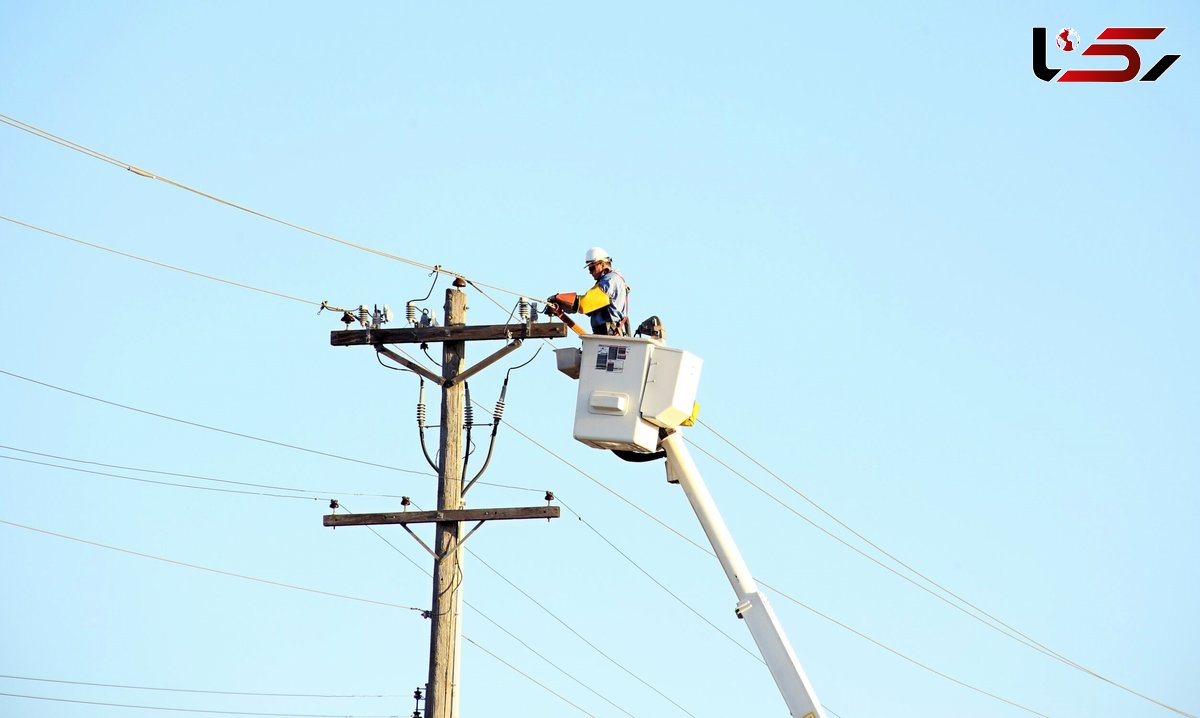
x=629 y=388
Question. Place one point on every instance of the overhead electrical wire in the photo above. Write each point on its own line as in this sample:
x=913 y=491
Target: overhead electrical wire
x=248 y=578
x=982 y=616
x=212 y=428
x=197 y=477
x=618 y=495
x=167 y=483
x=651 y=576
x=196 y=690
x=709 y=552
x=218 y=571
x=850 y=546
x=814 y=611
x=433 y=268
x=898 y=654
x=512 y=635
x=530 y=678
x=164 y=265
x=578 y=635
x=192 y=710
x=38 y=132
x=1011 y=633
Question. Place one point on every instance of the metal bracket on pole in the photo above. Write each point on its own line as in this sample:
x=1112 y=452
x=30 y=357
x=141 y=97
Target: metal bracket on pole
x=484 y=364
x=410 y=364
x=418 y=540
x=463 y=540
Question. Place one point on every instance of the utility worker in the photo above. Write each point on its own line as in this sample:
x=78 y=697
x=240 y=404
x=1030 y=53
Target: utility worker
x=606 y=303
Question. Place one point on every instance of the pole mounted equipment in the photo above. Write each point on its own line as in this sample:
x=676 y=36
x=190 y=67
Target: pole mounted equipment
x=445 y=633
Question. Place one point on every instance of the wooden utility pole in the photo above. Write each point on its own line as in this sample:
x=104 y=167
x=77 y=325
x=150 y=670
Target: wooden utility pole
x=445 y=633
x=445 y=638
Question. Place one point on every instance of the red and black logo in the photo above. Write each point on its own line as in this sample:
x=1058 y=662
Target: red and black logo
x=1068 y=39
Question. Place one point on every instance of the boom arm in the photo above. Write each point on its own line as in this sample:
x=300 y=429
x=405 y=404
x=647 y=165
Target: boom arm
x=752 y=605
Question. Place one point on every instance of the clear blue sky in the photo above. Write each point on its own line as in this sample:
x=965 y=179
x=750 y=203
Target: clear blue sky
x=953 y=305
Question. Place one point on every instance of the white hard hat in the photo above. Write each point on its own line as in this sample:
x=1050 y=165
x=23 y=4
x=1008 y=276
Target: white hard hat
x=596 y=254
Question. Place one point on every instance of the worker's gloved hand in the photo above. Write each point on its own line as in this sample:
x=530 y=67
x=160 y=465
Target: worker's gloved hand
x=565 y=302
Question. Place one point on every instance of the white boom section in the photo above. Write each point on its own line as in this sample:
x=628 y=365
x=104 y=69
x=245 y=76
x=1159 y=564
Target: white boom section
x=752 y=606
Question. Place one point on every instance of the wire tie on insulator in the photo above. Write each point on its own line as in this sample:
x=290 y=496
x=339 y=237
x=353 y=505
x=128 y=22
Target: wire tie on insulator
x=549 y=496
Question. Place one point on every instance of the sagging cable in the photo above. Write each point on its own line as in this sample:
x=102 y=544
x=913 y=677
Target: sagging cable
x=497 y=417
x=421 y=426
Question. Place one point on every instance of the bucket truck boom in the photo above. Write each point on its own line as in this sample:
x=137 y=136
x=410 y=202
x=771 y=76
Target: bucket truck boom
x=634 y=394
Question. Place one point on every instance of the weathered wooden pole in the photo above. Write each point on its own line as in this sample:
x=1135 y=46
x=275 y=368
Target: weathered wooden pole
x=445 y=635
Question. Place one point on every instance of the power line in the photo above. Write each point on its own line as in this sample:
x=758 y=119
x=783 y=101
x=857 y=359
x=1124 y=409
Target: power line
x=660 y=584
x=437 y=268
x=1019 y=636
x=512 y=635
x=164 y=265
x=760 y=581
x=1007 y=630
x=543 y=686
x=898 y=654
x=643 y=511
x=580 y=636
x=210 y=570
x=260 y=580
x=195 y=690
x=203 y=478
x=165 y=483
x=38 y=132
x=191 y=710
x=848 y=545
x=212 y=428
